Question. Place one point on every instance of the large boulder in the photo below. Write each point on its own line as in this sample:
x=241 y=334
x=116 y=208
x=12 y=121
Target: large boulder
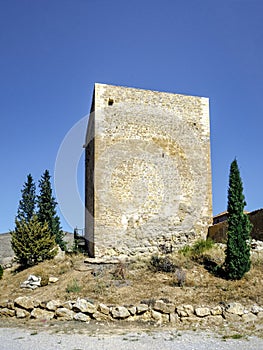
x=202 y=311
x=185 y=310
x=64 y=314
x=41 y=314
x=21 y=313
x=166 y=308
x=141 y=308
x=52 y=305
x=216 y=310
x=255 y=309
x=120 y=312
x=249 y=317
x=132 y=309
x=7 y=312
x=235 y=308
x=81 y=317
x=82 y=305
x=156 y=316
x=104 y=309
x=25 y=303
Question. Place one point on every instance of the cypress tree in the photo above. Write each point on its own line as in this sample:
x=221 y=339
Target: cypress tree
x=27 y=204
x=237 y=261
x=47 y=209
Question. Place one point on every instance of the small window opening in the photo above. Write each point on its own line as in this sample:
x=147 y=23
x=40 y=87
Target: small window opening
x=110 y=102
x=162 y=155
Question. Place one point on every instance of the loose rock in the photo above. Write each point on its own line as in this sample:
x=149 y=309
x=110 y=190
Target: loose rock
x=235 y=308
x=202 y=311
x=81 y=317
x=141 y=308
x=42 y=314
x=64 y=313
x=25 y=302
x=120 y=312
x=185 y=310
x=166 y=308
x=84 y=306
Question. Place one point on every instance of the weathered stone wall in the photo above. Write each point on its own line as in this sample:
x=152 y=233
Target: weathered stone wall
x=151 y=180
x=218 y=232
x=158 y=311
x=256 y=218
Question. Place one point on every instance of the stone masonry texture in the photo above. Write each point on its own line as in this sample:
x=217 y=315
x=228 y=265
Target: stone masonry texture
x=148 y=171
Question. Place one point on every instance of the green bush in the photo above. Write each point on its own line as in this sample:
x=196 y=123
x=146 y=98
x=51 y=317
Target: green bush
x=202 y=246
x=186 y=250
x=32 y=242
x=198 y=248
x=1 y=272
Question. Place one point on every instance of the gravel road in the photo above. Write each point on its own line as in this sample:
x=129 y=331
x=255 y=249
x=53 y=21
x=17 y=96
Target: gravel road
x=22 y=339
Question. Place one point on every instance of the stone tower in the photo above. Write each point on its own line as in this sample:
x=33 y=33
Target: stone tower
x=148 y=171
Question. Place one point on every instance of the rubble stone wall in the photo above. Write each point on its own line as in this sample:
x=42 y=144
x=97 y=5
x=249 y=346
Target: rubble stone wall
x=158 y=311
x=218 y=232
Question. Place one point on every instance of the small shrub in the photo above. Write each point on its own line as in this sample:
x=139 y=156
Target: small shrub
x=233 y=336
x=198 y=248
x=202 y=245
x=42 y=273
x=101 y=287
x=120 y=271
x=65 y=266
x=149 y=302
x=73 y=287
x=166 y=301
x=186 y=250
x=44 y=280
x=163 y=264
x=180 y=276
x=1 y=272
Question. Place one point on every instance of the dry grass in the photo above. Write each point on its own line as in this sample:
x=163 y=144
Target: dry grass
x=134 y=282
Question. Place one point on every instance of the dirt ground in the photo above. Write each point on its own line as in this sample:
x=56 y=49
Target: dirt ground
x=134 y=281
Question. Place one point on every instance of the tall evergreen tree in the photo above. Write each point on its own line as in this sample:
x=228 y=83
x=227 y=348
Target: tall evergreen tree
x=47 y=209
x=27 y=204
x=237 y=261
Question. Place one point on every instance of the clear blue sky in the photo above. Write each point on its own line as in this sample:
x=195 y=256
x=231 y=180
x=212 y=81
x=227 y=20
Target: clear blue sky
x=53 y=51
